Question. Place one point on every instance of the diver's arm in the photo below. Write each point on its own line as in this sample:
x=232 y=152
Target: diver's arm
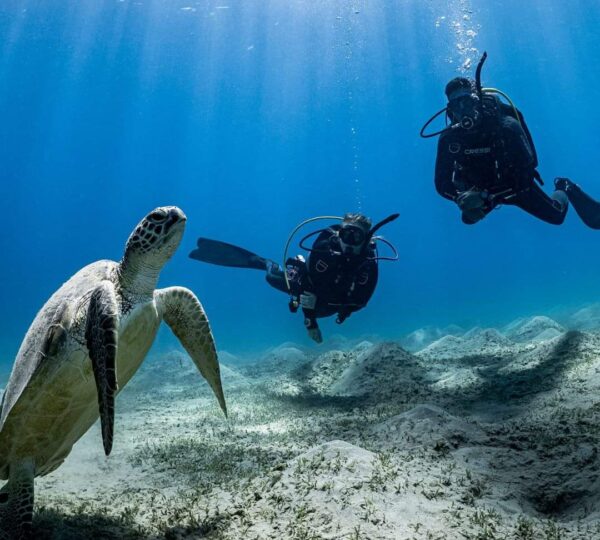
x=365 y=284
x=520 y=153
x=444 y=170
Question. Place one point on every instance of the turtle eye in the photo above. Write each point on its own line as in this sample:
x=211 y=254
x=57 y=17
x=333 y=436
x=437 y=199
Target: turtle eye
x=157 y=216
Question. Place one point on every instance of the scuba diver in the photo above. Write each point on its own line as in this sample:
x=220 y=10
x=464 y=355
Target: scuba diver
x=338 y=278
x=486 y=158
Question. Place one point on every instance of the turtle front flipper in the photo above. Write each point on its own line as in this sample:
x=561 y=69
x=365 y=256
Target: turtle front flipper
x=184 y=314
x=16 y=501
x=101 y=335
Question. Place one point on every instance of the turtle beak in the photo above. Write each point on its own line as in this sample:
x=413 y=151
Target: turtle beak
x=175 y=217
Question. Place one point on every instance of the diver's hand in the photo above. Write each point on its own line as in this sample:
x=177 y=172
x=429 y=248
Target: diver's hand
x=315 y=334
x=563 y=184
x=471 y=200
x=308 y=300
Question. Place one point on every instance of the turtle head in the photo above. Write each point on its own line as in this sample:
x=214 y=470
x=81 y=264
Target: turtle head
x=153 y=242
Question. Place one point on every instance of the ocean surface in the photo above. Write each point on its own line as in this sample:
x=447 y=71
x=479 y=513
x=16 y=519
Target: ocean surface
x=255 y=115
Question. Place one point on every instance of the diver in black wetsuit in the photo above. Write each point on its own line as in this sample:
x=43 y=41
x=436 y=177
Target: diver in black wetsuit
x=487 y=158
x=339 y=277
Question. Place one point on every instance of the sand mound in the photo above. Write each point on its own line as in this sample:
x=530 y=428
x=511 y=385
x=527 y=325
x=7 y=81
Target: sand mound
x=551 y=356
x=430 y=426
x=325 y=370
x=229 y=359
x=338 y=490
x=548 y=334
x=276 y=362
x=421 y=338
x=533 y=329
x=587 y=318
x=499 y=440
x=363 y=346
x=376 y=372
x=475 y=342
x=360 y=459
x=487 y=336
x=174 y=375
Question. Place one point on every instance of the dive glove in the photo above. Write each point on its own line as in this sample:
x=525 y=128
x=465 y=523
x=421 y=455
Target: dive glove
x=472 y=199
x=563 y=184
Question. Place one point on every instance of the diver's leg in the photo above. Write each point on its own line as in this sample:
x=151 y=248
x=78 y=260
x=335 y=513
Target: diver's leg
x=312 y=327
x=275 y=277
x=534 y=201
x=587 y=208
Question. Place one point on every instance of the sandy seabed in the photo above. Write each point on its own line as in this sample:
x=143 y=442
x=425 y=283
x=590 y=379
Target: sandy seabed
x=478 y=435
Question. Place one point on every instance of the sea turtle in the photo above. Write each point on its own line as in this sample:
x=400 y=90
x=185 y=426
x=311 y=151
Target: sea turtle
x=82 y=347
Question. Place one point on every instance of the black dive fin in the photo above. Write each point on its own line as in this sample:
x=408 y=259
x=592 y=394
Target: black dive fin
x=223 y=254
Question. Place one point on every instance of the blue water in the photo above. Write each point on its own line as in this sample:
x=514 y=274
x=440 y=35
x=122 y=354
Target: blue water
x=252 y=116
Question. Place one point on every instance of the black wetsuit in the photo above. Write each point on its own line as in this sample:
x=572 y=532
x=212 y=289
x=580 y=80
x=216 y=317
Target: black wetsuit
x=342 y=284
x=587 y=208
x=498 y=158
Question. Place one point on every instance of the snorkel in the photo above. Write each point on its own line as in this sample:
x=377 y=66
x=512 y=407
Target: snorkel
x=478 y=75
x=377 y=226
x=369 y=236
x=469 y=119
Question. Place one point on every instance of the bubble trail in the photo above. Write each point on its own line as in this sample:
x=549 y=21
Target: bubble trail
x=461 y=23
x=352 y=45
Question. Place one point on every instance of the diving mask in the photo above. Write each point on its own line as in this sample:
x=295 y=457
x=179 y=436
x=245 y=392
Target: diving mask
x=464 y=108
x=352 y=239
